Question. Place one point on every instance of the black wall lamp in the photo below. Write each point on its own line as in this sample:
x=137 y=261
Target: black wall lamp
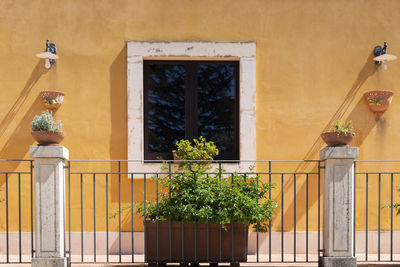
x=50 y=55
x=382 y=56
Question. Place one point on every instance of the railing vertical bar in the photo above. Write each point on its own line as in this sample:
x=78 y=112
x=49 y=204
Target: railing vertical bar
x=64 y=219
x=195 y=241
x=269 y=223
x=94 y=217
x=31 y=185
x=144 y=213
x=107 y=249
x=195 y=232
x=233 y=230
x=69 y=210
x=319 y=207
x=157 y=230
x=391 y=217
x=169 y=219
x=258 y=226
x=183 y=242
x=379 y=219
x=207 y=235
x=366 y=217
x=294 y=218
x=81 y=217
x=354 y=207
x=119 y=211
x=207 y=240
x=244 y=230
x=282 y=225
x=19 y=218
x=307 y=217
x=132 y=229
x=220 y=227
x=7 y=232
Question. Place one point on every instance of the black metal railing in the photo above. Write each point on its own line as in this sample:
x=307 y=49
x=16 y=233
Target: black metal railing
x=292 y=185
x=16 y=211
x=102 y=227
x=373 y=184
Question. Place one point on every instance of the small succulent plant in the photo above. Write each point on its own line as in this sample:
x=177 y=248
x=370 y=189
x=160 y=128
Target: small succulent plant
x=344 y=128
x=45 y=122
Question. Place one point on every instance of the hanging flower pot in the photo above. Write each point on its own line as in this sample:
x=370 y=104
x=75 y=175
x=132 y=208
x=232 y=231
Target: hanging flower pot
x=52 y=100
x=378 y=101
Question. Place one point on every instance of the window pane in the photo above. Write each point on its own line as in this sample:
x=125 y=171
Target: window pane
x=216 y=104
x=165 y=106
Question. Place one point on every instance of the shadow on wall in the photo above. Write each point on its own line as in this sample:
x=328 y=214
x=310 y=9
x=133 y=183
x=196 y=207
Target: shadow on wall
x=19 y=140
x=37 y=72
x=118 y=138
x=363 y=121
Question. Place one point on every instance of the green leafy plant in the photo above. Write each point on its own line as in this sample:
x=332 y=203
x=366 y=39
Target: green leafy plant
x=191 y=194
x=396 y=206
x=344 y=128
x=45 y=122
x=201 y=151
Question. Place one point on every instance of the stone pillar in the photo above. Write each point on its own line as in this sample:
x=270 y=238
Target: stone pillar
x=338 y=206
x=49 y=205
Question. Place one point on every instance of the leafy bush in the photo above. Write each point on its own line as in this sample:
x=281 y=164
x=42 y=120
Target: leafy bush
x=45 y=122
x=216 y=197
x=345 y=128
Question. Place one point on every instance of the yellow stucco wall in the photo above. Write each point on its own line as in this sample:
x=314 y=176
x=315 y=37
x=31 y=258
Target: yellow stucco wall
x=313 y=64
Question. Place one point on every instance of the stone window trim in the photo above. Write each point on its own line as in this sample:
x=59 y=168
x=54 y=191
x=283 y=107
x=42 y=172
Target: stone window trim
x=137 y=52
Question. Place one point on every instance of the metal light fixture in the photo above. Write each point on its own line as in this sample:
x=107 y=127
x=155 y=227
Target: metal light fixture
x=381 y=55
x=50 y=55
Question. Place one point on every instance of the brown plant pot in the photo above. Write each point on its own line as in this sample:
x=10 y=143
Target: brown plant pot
x=176 y=159
x=48 y=138
x=183 y=248
x=48 y=97
x=335 y=139
x=378 y=101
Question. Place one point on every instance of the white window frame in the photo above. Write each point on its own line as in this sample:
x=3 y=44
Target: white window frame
x=244 y=52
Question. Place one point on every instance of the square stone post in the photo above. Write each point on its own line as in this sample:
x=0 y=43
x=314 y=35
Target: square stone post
x=49 y=205
x=338 y=204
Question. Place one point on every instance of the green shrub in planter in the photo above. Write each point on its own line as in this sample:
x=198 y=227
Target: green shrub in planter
x=193 y=193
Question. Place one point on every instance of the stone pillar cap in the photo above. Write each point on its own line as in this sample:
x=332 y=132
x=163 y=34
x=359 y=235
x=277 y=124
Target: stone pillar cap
x=49 y=152
x=338 y=152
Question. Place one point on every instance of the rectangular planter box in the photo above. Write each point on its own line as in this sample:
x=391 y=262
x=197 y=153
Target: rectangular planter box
x=178 y=242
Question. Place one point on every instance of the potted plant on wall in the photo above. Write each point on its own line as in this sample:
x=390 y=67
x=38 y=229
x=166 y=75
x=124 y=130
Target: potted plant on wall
x=52 y=100
x=203 y=215
x=341 y=135
x=45 y=130
x=378 y=101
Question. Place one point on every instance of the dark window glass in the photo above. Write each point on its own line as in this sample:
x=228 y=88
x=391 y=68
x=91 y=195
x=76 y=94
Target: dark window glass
x=188 y=99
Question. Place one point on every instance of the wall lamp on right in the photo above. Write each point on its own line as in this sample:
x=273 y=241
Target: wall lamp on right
x=382 y=56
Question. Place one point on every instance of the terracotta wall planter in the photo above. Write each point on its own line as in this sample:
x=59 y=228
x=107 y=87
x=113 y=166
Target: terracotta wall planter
x=378 y=101
x=48 y=138
x=187 y=252
x=52 y=100
x=335 y=139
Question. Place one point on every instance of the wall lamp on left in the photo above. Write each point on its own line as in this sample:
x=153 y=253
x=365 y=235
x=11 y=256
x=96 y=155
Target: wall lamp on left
x=50 y=55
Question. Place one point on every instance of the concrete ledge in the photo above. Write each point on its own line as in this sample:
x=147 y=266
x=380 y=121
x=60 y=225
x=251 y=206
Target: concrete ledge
x=339 y=152
x=50 y=262
x=337 y=262
x=49 y=152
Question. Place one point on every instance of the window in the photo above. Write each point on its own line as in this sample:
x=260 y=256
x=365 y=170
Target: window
x=188 y=99
x=139 y=52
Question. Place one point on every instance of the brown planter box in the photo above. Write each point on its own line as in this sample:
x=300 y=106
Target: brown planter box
x=184 y=250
